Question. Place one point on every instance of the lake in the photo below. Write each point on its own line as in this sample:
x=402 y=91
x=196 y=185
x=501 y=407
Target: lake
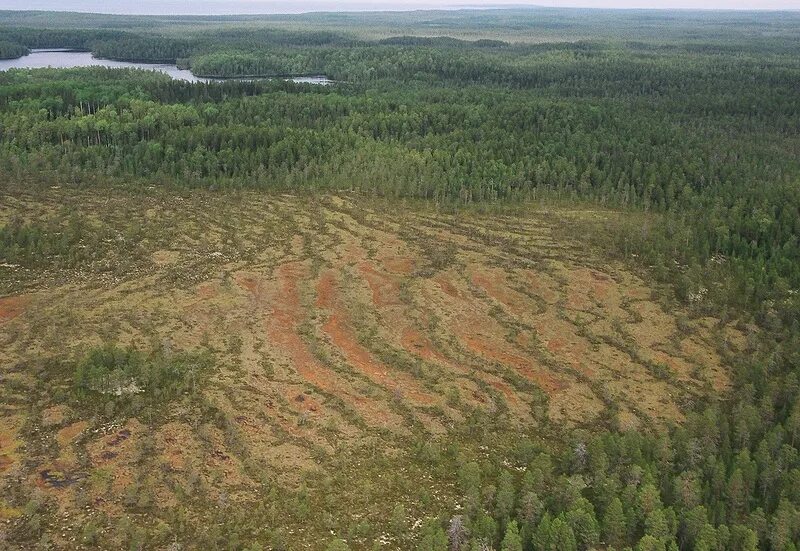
x=66 y=59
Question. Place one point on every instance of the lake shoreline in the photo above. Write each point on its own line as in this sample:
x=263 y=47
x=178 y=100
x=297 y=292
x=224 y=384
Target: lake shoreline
x=56 y=58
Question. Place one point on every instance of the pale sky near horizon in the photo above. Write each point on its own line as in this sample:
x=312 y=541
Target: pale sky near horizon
x=222 y=7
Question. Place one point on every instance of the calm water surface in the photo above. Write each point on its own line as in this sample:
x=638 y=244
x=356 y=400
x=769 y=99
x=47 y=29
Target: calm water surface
x=65 y=59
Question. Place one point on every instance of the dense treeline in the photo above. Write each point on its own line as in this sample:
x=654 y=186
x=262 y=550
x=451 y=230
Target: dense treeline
x=57 y=38
x=16 y=42
x=623 y=127
x=157 y=48
x=530 y=24
x=259 y=38
x=151 y=49
x=695 y=83
x=11 y=50
x=439 y=41
x=716 y=144
x=704 y=135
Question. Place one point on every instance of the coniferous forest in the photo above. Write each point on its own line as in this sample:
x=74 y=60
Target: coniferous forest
x=661 y=144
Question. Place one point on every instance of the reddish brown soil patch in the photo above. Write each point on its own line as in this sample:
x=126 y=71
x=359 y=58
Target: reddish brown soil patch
x=385 y=288
x=601 y=284
x=447 y=287
x=419 y=345
x=488 y=348
x=402 y=265
x=542 y=285
x=342 y=337
x=505 y=389
x=253 y=284
x=206 y=291
x=11 y=307
x=325 y=291
x=483 y=336
x=565 y=345
x=554 y=345
x=585 y=286
x=69 y=433
x=282 y=326
x=558 y=336
x=177 y=443
x=386 y=299
x=5 y=462
x=494 y=284
x=307 y=403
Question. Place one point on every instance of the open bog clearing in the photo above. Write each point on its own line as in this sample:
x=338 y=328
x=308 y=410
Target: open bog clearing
x=347 y=347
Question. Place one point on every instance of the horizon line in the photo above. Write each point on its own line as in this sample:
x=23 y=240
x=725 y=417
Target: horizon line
x=466 y=7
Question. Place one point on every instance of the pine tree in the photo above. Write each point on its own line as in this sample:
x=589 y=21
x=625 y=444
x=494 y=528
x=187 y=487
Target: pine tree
x=656 y=525
x=483 y=527
x=561 y=537
x=469 y=479
x=743 y=538
x=432 y=537
x=582 y=520
x=784 y=526
x=504 y=499
x=649 y=543
x=614 y=525
x=512 y=540
x=706 y=539
x=736 y=496
x=541 y=538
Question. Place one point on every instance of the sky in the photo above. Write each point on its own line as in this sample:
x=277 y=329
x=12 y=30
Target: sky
x=221 y=7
